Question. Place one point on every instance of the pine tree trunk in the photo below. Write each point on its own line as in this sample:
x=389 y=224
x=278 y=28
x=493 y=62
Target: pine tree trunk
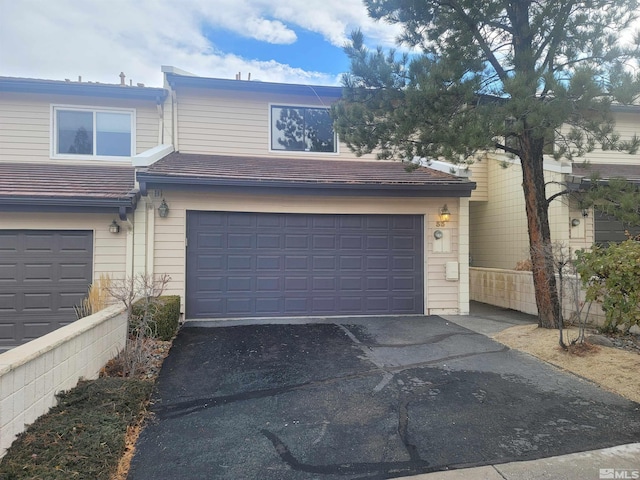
x=544 y=279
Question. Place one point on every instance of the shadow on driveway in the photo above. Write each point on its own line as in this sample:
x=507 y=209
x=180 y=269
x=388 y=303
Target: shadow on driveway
x=363 y=399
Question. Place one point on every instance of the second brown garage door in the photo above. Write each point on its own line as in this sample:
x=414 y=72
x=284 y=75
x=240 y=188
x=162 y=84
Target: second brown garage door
x=43 y=274
x=270 y=265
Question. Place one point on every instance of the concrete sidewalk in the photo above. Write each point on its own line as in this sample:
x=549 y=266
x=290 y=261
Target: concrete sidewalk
x=621 y=462
x=615 y=462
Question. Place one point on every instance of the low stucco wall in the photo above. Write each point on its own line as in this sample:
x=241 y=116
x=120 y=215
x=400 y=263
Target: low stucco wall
x=514 y=290
x=32 y=374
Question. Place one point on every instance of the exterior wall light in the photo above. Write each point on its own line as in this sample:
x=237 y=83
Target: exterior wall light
x=163 y=209
x=114 y=227
x=575 y=222
x=445 y=214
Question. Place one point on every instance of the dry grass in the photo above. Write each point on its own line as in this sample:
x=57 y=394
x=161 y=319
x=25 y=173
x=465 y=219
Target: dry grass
x=97 y=297
x=612 y=368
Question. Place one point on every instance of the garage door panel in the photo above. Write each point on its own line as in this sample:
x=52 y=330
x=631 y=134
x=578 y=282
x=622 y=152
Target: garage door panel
x=43 y=274
x=296 y=264
x=268 y=284
x=296 y=306
x=400 y=263
x=378 y=304
x=268 y=305
x=351 y=242
x=324 y=284
x=351 y=283
x=296 y=284
x=320 y=222
x=296 y=241
x=9 y=243
x=7 y=333
x=209 y=240
x=39 y=243
x=377 y=242
x=73 y=272
x=73 y=243
x=240 y=241
x=377 y=262
x=8 y=273
x=239 y=306
x=350 y=262
x=239 y=262
x=267 y=263
x=268 y=241
x=324 y=263
x=38 y=272
x=8 y=303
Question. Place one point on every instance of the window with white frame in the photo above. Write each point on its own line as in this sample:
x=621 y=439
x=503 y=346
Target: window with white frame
x=302 y=129
x=88 y=132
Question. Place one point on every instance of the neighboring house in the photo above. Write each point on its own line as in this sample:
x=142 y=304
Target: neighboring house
x=498 y=224
x=65 y=178
x=264 y=212
x=499 y=235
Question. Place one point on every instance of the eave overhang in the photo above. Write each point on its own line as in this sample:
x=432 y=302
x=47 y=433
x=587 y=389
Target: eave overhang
x=85 y=89
x=252 y=86
x=122 y=206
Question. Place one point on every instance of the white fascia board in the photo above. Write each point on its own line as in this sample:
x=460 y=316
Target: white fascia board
x=176 y=71
x=442 y=166
x=151 y=156
x=549 y=163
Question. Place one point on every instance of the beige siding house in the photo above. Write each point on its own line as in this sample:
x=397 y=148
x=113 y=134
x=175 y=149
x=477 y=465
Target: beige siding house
x=498 y=227
x=259 y=163
x=63 y=193
x=240 y=191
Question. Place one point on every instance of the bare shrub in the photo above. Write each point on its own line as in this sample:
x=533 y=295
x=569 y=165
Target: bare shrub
x=143 y=290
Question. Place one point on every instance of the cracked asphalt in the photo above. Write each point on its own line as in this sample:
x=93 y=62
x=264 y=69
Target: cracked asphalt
x=371 y=398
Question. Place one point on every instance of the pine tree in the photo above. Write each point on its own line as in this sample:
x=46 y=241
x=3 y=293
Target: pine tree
x=513 y=76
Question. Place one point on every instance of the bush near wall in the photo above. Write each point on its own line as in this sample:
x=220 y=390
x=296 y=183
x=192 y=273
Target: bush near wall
x=163 y=316
x=83 y=437
x=611 y=276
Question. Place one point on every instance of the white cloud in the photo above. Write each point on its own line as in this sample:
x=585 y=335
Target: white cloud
x=98 y=39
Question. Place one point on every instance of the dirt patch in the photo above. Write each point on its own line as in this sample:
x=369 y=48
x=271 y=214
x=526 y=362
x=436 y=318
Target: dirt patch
x=614 y=369
x=157 y=350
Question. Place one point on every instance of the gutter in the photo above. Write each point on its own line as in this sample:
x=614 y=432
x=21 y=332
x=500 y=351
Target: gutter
x=453 y=189
x=27 y=85
x=123 y=205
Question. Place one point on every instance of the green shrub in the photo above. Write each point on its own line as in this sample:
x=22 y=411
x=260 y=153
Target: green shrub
x=83 y=437
x=161 y=314
x=611 y=276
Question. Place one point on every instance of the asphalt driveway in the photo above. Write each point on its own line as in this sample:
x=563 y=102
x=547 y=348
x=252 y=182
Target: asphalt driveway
x=364 y=399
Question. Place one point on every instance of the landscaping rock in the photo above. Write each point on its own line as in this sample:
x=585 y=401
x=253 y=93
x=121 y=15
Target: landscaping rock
x=599 y=340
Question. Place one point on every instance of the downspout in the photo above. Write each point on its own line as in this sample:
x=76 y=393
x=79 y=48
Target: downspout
x=160 y=108
x=129 y=257
x=174 y=120
x=150 y=240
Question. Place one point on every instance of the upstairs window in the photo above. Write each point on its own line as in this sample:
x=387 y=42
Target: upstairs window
x=302 y=129
x=92 y=133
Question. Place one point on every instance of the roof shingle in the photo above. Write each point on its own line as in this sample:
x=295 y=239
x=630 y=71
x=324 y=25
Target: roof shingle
x=301 y=171
x=66 y=181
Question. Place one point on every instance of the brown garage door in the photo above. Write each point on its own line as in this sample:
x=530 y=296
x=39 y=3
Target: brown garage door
x=271 y=265
x=43 y=274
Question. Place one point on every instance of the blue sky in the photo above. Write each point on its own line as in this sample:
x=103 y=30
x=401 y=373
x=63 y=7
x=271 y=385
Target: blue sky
x=310 y=52
x=298 y=41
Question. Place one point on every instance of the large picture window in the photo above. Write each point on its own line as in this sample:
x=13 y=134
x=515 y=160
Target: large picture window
x=96 y=133
x=302 y=129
